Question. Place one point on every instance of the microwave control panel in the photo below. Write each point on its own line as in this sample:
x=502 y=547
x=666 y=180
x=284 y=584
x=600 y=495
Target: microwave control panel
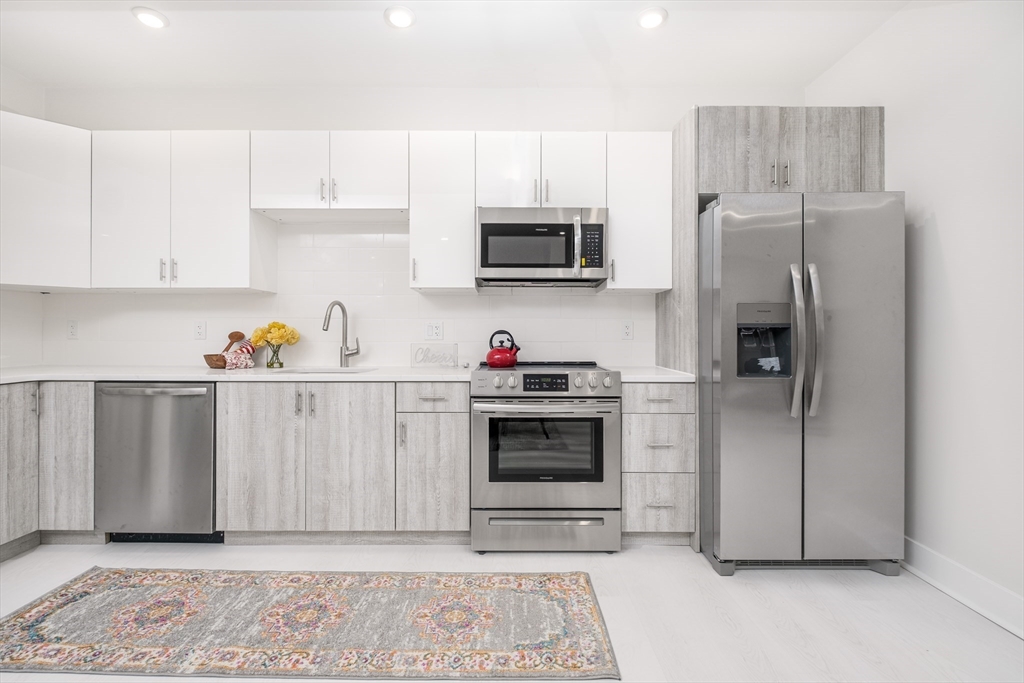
x=593 y=246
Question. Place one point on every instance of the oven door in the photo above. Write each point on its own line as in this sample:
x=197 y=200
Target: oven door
x=546 y=454
x=528 y=243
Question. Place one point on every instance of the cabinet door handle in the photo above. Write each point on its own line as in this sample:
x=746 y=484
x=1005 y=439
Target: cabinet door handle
x=414 y=270
x=432 y=398
x=775 y=171
x=787 y=172
x=312 y=404
x=334 y=190
x=547 y=190
x=163 y=270
x=401 y=434
x=535 y=190
x=660 y=506
x=323 y=195
x=35 y=396
x=661 y=445
x=174 y=270
x=613 y=270
x=298 y=403
x=653 y=399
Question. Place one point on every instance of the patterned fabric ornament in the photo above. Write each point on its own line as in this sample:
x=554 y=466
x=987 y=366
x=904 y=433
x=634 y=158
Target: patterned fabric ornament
x=240 y=358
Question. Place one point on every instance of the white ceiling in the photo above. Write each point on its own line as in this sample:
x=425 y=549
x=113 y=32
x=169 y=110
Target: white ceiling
x=86 y=44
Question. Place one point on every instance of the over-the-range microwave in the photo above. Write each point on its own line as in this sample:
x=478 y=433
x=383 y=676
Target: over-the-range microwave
x=541 y=247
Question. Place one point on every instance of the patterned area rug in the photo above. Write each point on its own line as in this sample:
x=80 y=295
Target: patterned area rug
x=327 y=624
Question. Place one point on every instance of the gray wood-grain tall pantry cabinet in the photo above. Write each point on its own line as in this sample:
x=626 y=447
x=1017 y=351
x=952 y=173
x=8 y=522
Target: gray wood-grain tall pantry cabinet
x=754 y=149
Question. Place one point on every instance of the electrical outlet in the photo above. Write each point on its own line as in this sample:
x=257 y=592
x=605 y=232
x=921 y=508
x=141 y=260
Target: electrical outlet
x=72 y=329
x=627 y=330
x=199 y=329
x=434 y=331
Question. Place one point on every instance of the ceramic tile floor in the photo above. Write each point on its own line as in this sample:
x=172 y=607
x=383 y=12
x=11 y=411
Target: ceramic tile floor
x=671 y=618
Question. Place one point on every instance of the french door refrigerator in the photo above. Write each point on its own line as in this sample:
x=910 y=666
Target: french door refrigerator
x=801 y=380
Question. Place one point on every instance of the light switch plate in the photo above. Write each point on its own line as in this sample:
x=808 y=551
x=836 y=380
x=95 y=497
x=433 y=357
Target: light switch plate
x=434 y=331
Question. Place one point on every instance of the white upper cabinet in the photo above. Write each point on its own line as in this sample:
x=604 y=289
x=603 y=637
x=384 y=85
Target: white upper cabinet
x=330 y=170
x=507 y=169
x=44 y=203
x=291 y=169
x=211 y=244
x=369 y=169
x=573 y=170
x=640 y=210
x=171 y=209
x=442 y=210
x=131 y=209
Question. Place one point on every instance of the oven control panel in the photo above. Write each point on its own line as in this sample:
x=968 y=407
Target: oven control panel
x=545 y=382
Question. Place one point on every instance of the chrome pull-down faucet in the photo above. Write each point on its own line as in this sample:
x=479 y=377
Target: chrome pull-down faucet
x=345 y=351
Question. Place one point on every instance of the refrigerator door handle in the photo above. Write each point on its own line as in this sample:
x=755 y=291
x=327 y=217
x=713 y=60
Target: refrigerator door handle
x=796 y=408
x=819 y=339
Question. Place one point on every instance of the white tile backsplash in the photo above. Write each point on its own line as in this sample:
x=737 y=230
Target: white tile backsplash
x=366 y=269
x=21 y=329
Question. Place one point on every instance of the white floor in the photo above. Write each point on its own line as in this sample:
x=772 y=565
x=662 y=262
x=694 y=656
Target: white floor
x=671 y=618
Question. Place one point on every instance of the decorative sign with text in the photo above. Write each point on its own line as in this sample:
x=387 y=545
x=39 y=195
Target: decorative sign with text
x=435 y=355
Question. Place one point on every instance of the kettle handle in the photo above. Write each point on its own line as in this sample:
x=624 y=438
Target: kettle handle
x=511 y=339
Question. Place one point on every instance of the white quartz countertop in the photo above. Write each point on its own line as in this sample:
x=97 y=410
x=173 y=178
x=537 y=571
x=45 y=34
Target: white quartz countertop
x=110 y=373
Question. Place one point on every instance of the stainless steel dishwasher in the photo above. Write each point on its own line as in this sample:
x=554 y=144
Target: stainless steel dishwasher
x=154 y=457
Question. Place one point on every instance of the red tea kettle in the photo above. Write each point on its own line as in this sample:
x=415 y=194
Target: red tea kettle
x=502 y=356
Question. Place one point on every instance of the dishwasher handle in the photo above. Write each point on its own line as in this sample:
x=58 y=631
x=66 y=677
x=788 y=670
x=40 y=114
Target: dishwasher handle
x=152 y=391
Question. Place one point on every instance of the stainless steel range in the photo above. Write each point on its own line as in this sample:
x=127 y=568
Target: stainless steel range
x=546 y=457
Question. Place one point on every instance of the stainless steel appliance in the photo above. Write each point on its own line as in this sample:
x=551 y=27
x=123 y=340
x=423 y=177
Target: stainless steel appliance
x=154 y=457
x=546 y=457
x=541 y=247
x=801 y=380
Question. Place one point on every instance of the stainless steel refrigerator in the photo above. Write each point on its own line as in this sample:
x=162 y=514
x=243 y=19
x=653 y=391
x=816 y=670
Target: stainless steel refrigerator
x=801 y=380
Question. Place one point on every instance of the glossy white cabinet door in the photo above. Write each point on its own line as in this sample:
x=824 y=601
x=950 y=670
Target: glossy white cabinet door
x=507 y=169
x=369 y=169
x=442 y=212
x=131 y=208
x=210 y=208
x=291 y=169
x=640 y=210
x=45 y=196
x=573 y=169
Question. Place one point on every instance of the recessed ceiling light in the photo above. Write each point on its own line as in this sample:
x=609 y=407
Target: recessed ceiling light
x=150 y=17
x=652 y=17
x=399 y=17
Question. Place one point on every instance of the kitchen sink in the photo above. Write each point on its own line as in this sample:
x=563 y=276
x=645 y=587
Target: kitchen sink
x=324 y=371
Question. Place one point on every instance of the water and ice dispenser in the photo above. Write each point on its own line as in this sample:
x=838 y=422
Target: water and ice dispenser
x=763 y=345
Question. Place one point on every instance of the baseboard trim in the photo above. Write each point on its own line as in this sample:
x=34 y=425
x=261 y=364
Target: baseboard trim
x=346 y=538
x=984 y=596
x=19 y=545
x=636 y=539
x=73 y=538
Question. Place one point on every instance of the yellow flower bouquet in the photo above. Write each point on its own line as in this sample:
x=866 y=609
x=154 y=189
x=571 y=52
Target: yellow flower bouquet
x=274 y=335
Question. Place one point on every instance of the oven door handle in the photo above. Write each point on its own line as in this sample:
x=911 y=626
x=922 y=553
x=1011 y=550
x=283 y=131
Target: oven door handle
x=567 y=411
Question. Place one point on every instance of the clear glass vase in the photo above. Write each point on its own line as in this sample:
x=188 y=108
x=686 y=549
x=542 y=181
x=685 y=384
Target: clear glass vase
x=274 y=359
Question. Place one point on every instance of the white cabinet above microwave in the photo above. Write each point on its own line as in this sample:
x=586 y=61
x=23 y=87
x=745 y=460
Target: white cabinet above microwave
x=330 y=170
x=524 y=169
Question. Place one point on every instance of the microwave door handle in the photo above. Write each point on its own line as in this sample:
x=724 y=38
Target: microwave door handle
x=577 y=238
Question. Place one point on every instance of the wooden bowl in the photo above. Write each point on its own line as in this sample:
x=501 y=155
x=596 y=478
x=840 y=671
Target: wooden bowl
x=215 y=361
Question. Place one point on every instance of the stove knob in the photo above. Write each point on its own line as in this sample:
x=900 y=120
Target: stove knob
x=578 y=382
x=497 y=382
x=592 y=382
x=607 y=382
x=513 y=382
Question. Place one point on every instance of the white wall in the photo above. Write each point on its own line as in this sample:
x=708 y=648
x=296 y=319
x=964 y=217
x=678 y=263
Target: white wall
x=368 y=272
x=21 y=329
x=951 y=78
x=361 y=108
x=19 y=95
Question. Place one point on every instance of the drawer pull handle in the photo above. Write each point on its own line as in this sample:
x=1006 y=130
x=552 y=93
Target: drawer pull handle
x=659 y=506
x=660 y=400
x=433 y=398
x=661 y=445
